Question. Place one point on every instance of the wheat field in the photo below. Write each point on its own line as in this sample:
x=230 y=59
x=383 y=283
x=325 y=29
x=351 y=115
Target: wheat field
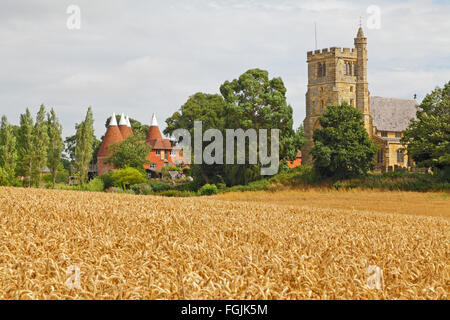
x=147 y=247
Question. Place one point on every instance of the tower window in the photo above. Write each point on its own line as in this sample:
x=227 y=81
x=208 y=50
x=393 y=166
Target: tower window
x=324 y=70
x=351 y=88
x=319 y=72
x=352 y=102
x=322 y=104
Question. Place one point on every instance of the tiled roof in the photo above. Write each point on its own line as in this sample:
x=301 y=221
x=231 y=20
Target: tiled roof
x=392 y=114
x=153 y=134
x=160 y=144
x=112 y=136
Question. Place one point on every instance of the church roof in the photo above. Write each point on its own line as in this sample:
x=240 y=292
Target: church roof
x=392 y=114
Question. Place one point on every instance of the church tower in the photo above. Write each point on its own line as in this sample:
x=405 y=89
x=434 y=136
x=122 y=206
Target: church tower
x=362 y=87
x=335 y=75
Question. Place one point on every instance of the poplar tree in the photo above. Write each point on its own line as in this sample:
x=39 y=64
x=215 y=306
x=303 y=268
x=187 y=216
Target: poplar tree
x=84 y=145
x=55 y=145
x=8 y=148
x=40 y=145
x=26 y=145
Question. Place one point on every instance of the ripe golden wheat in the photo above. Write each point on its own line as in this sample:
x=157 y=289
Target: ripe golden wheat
x=144 y=247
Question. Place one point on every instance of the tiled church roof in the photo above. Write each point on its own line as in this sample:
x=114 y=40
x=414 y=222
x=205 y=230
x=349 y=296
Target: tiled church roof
x=392 y=114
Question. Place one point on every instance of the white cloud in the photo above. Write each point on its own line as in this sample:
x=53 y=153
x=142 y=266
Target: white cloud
x=142 y=57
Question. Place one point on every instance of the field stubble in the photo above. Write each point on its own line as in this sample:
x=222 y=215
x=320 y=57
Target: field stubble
x=146 y=247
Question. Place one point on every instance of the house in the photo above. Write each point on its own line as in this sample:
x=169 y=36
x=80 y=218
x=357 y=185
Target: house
x=163 y=151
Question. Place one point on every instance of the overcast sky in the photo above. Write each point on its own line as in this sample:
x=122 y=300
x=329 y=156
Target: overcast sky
x=141 y=57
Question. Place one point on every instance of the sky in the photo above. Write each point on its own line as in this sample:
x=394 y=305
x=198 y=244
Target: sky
x=142 y=57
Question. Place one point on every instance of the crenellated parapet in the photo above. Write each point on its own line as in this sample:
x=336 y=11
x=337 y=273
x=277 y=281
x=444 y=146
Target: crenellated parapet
x=339 y=52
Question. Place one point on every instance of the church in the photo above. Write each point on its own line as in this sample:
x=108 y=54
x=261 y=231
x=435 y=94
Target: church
x=338 y=75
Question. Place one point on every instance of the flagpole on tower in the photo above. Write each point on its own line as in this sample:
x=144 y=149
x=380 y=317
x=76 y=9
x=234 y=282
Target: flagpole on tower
x=315 y=34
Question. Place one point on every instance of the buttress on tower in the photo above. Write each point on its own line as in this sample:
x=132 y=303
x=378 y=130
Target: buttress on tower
x=335 y=76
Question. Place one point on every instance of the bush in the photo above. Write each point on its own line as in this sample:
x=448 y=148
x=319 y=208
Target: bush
x=176 y=193
x=4 y=177
x=114 y=190
x=208 y=189
x=303 y=175
x=187 y=171
x=159 y=186
x=128 y=176
x=95 y=184
x=143 y=188
x=221 y=186
x=108 y=180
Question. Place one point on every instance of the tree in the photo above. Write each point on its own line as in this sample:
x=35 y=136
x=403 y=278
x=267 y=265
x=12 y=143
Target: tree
x=70 y=142
x=131 y=152
x=260 y=103
x=211 y=109
x=55 y=146
x=8 y=151
x=26 y=145
x=127 y=176
x=40 y=145
x=253 y=101
x=428 y=138
x=84 y=145
x=342 y=148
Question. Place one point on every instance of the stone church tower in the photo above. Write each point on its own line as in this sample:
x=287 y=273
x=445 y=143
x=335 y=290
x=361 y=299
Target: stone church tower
x=335 y=76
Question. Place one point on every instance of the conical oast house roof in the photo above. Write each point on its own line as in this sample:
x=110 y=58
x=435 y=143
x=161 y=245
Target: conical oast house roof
x=112 y=136
x=125 y=130
x=153 y=132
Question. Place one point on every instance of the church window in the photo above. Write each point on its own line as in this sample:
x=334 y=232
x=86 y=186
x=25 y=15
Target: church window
x=322 y=104
x=380 y=156
x=324 y=70
x=319 y=73
x=400 y=156
x=352 y=102
x=351 y=88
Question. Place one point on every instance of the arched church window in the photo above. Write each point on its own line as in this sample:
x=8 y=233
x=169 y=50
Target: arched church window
x=319 y=72
x=324 y=70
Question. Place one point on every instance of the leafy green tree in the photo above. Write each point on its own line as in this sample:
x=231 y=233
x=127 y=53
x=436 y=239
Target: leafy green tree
x=26 y=145
x=70 y=142
x=128 y=176
x=40 y=144
x=84 y=145
x=211 y=109
x=260 y=103
x=55 y=146
x=253 y=101
x=8 y=148
x=428 y=137
x=131 y=152
x=342 y=148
